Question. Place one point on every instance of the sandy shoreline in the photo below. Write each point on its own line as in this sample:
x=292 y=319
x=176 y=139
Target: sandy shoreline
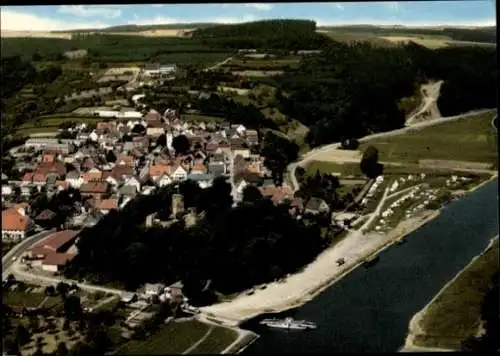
x=320 y=274
x=316 y=277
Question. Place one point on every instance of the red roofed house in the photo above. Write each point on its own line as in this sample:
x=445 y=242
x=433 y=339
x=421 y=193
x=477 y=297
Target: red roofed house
x=52 y=252
x=39 y=179
x=159 y=170
x=104 y=206
x=16 y=225
x=94 y=189
x=27 y=178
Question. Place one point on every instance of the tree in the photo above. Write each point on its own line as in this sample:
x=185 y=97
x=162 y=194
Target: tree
x=138 y=129
x=98 y=339
x=33 y=321
x=72 y=307
x=50 y=291
x=11 y=346
x=300 y=172
x=181 y=144
x=162 y=140
x=81 y=349
x=39 y=342
x=110 y=156
x=22 y=334
x=11 y=279
x=62 y=288
x=62 y=349
x=66 y=324
x=369 y=163
x=278 y=153
x=251 y=194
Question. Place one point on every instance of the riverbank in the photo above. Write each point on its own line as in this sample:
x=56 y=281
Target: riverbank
x=416 y=328
x=305 y=285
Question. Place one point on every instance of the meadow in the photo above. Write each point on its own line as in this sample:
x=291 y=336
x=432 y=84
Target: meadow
x=471 y=139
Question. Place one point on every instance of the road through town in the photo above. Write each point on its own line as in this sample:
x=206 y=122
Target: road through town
x=19 y=249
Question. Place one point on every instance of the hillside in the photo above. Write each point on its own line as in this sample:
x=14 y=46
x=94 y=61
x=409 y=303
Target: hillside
x=479 y=34
x=266 y=34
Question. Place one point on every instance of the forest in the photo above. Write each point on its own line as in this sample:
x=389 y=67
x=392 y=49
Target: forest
x=256 y=241
x=292 y=35
x=351 y=90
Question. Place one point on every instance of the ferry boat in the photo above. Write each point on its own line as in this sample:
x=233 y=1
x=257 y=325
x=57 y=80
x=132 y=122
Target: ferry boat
x=288 y=323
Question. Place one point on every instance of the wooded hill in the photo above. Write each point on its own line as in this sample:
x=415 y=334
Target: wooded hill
x=267 y=34
x=352 y=90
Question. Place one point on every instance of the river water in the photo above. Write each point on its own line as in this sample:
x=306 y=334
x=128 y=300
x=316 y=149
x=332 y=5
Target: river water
x=370 y=309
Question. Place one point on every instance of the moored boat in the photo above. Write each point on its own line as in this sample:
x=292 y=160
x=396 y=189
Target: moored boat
x=288 y=323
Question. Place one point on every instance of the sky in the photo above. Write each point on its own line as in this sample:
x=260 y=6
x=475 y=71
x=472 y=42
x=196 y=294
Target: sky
x=414 y=13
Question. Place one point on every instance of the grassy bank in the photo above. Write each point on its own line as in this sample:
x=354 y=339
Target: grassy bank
x=178 y=337
x=218 y=340
x=353 y=169
x=472 y=139
x=455 y=314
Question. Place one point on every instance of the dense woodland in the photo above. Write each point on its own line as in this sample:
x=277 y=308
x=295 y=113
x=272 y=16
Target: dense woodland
x=351 y=90
x=235 y=248
x=268 y=34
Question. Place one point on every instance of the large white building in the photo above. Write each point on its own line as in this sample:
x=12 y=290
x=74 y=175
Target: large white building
x=159 y=70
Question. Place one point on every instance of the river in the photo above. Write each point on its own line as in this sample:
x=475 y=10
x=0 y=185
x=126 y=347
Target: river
x=370 y=309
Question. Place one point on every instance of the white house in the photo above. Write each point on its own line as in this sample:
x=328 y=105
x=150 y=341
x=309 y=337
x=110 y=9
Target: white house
x=111 y=180
x=241 y=186
x=6 y=190
x=94 y=136
x=240 y=129
x=74 y=179
x=243 y=152
x=133 y=182
x=16 y=225
x=164 y=180
x=155 y=131
x=179 y=174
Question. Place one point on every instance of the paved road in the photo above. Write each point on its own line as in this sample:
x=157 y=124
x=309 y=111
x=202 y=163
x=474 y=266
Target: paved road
x=14 y=267
x=19 y=249
x=218 y=64
x=311 y=155
x=24 y=275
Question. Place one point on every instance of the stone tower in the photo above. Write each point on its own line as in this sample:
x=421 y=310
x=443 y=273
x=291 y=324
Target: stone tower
x=177 y=204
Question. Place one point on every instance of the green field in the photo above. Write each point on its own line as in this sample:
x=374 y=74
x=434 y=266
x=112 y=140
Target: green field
x=353 y=169
x=472 y=139
x=262 y=63
x=174 y=338
x=22 y=298
x=456 y=314
x=220 y=338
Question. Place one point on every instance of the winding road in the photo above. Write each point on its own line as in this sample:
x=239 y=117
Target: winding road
x=313 y=154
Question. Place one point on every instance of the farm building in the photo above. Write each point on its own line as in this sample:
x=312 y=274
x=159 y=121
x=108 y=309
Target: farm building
x=159 y=70
x=53 y=252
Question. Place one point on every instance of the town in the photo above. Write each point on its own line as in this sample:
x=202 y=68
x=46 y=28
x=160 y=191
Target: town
x=154 y=204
